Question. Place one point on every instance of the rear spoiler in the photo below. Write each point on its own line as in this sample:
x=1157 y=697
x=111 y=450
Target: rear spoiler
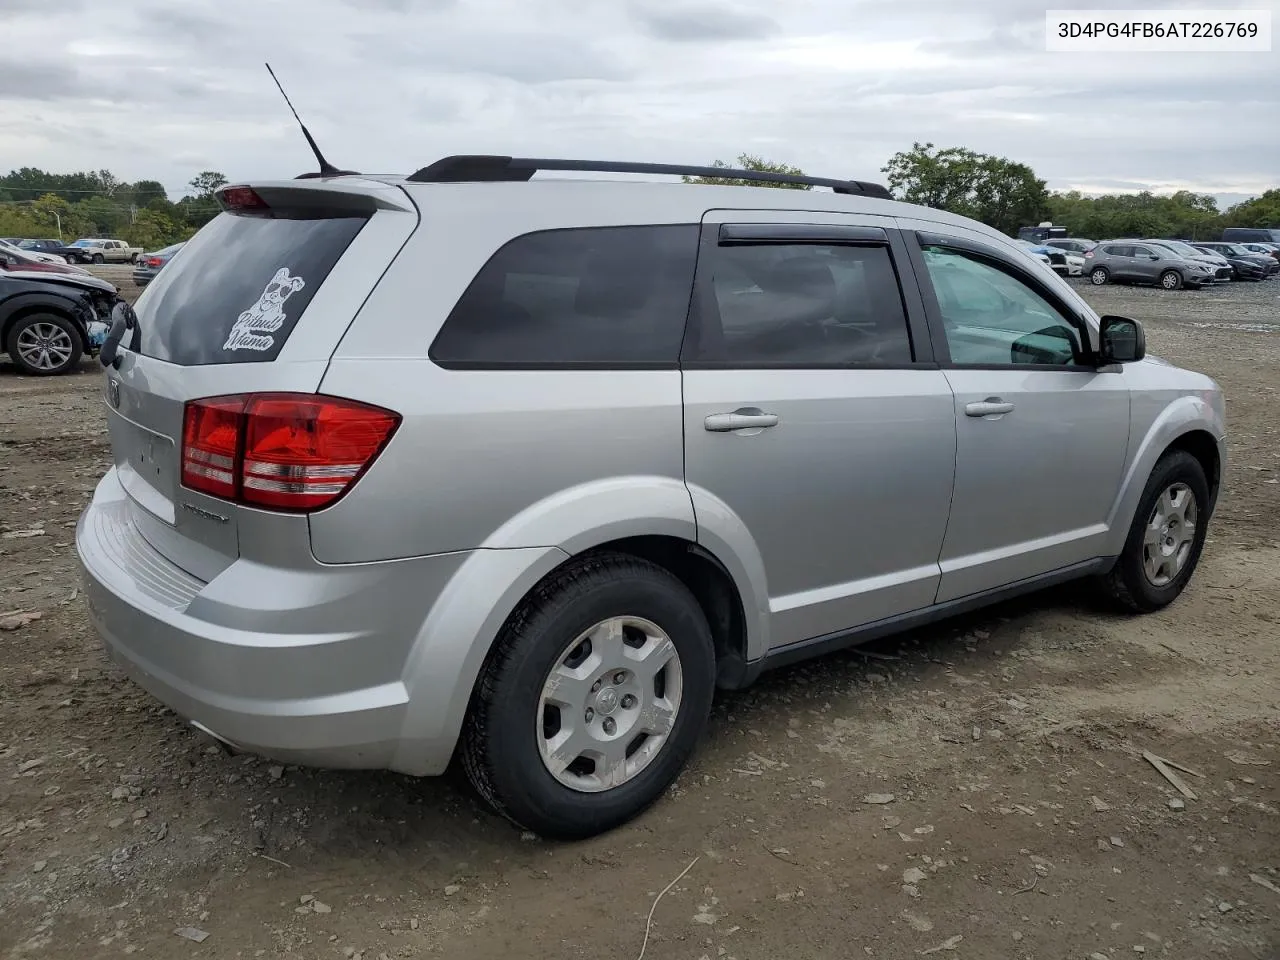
x=343 y=196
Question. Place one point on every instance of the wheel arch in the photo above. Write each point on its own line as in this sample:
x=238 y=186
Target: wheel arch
x=1190 y=423
x=18 y=308
x=651 y=518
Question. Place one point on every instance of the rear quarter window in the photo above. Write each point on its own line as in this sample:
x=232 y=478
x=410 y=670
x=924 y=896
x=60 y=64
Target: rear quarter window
x=590 y=296
x=237 y=291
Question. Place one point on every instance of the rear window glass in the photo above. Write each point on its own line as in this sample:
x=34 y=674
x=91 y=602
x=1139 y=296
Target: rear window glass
x=239 y=288
x=591 y=295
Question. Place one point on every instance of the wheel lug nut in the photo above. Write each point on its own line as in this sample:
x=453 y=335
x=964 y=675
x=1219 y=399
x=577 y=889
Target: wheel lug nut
x=620 y=677
x=610 y=726
x=628 y=702
x=590 y=714
x=596 y=686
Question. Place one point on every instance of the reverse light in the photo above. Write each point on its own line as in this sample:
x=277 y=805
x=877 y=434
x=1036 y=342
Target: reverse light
x=282 y=451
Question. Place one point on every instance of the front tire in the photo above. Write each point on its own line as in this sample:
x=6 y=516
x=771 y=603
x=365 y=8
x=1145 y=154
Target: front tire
x=1166 y=537
x=1171 y=280
x=1099 y=275
x=593 y=698
x=99 y=258
x=44 y=345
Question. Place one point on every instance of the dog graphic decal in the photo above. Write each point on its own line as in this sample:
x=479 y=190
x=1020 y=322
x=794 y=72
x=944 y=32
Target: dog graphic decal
x=253 y=328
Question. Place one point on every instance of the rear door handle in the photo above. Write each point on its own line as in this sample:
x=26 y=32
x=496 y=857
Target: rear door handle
x=740 y=420
x=992 y=406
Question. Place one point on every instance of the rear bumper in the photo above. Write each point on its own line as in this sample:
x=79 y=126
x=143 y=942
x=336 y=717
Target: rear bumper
x=302 y=665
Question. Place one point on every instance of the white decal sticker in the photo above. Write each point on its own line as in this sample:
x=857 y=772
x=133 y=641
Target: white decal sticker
x=253 y=328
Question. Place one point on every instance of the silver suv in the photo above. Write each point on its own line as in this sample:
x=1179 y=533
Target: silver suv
x=523 y=471
x=1132 y=261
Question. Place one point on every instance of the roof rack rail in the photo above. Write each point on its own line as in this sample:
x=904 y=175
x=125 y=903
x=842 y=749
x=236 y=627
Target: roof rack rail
x=490 y=169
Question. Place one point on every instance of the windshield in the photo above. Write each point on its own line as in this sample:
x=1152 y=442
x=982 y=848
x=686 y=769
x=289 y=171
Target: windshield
x=84 y=243
x=1183 y=249
x=1235 y=249
x=28 y=245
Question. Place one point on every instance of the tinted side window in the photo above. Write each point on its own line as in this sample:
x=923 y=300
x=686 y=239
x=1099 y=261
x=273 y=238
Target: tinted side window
x=1118 y=251
x=596 y=295
x=800 y=305
x=990 y=316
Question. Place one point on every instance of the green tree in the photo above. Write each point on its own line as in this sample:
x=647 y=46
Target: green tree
x=57 y=218
x=1144 y=214
x=107 y=216
x=1261 y=211
x=999 y=192
x=147 y=191
x=152 y=230
x=205 y=184
x=747 y=161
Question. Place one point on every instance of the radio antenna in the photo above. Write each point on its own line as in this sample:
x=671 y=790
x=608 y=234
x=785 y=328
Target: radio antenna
x=326 y=168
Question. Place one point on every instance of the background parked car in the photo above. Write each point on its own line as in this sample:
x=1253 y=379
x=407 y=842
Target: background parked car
x=1251 y=235
x=52 y=248
x=10 y=246
x=107 y=251
x=1267 y=249
x=49 y=321
x=1064 y=263
x=15 y=258
x=148 y=265
x=1222 y=272
x=1072 y=244
x=1245 y=264
x=1129 y=262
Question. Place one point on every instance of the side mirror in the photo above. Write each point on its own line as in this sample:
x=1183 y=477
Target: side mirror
x=7 y=260
x=1153 y=256
x=1122 y=339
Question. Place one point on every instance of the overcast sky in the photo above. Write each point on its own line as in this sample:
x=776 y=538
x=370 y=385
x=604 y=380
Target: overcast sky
x=162 y=89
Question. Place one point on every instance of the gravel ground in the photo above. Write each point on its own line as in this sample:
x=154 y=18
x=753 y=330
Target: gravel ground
x=973 y=789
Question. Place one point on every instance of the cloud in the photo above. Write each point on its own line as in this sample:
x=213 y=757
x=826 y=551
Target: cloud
x=154 y=89
x=702 y=22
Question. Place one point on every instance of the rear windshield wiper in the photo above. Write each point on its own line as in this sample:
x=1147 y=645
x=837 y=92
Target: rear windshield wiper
x=123 y=320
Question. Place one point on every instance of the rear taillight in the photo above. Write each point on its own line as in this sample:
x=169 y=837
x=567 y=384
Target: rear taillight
x=1088 y=254
x=154 y=261
x=284 y=451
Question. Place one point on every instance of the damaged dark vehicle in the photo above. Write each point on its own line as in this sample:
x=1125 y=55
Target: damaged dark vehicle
x=49 y=321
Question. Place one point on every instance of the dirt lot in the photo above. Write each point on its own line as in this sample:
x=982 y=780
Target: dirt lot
x=1023 y=821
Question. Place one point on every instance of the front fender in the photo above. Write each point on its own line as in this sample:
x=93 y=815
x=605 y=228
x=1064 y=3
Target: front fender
x=1182 y=416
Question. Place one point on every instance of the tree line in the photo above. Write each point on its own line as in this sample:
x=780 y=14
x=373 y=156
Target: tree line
x=1006 y=195
x=995 y=190
x=36 y=203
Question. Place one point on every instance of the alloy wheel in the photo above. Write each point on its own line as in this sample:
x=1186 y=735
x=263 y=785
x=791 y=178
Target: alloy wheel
x=609 y=704
x=1170 y=534
x=45 y=346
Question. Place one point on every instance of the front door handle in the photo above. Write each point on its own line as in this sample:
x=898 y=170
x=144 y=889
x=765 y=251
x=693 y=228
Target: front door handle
x=990 y=407
x=740 y=420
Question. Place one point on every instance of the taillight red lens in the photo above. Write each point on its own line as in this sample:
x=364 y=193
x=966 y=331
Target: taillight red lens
x=241 y=198
x=211 y=445
x=280 y=450
x=154 y=261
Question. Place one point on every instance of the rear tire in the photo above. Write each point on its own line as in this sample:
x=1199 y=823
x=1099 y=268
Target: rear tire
x=1160 y=556
x=44 y=345
x=529 y=746
x=1099 y=275
x=1171 y=280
